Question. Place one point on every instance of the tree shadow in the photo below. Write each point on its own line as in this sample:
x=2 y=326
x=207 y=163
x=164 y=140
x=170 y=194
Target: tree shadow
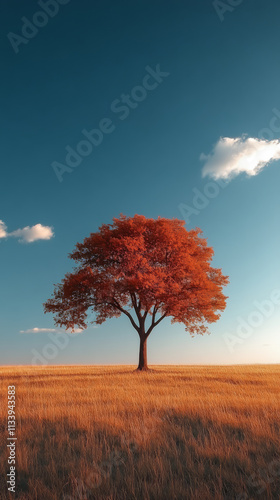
x=182 y=457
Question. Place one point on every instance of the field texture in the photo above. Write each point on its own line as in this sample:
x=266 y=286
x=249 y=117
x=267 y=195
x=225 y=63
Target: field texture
x=109 y=433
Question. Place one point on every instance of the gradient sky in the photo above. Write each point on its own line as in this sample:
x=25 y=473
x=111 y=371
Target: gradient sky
x=224 y=81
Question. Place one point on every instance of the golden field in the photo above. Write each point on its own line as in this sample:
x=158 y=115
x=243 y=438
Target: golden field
x=192 y=432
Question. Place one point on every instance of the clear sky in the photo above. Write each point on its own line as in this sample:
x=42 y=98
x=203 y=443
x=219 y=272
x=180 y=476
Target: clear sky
x=181 y=95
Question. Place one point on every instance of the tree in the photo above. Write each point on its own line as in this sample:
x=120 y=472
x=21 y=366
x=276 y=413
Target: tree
x=143 y=268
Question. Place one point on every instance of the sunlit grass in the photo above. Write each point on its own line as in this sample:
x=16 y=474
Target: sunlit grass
x=176 y=433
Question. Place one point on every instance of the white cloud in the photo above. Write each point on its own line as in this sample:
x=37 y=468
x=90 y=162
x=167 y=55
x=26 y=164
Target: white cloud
x=3 y=227
x=38 y=330
x=49 y=330
x=28 y=234
x=232 y=156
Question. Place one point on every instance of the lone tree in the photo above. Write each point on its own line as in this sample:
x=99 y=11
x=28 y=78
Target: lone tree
x=154 y=267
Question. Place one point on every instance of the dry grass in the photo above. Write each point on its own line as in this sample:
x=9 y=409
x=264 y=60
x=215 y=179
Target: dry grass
x=101 y=433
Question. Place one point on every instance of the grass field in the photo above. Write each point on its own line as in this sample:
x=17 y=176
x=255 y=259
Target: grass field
x=86 y=432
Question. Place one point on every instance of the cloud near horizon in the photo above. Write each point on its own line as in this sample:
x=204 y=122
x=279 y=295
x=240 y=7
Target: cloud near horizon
x=49 y=330
x=27 y=234
x=233 y=156
x=38 y=330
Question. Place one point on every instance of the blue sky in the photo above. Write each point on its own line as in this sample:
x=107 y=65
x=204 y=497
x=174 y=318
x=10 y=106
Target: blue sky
x=221 y=82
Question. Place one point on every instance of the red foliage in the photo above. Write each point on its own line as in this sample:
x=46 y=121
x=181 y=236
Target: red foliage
x=154 y=266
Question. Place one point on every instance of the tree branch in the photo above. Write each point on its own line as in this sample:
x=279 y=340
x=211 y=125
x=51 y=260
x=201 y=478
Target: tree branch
x=133 y=300
x=160 y=319
x=136 y=307
x=155 y=323
x=117 y=305
x=145 y=315
x=154 y=314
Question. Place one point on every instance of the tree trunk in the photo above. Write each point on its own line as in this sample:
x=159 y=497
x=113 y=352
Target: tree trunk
x=143 y=355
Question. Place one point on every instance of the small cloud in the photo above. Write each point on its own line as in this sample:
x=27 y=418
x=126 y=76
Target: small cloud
x=3 y=227
x=29 y=234
x=233 y=156
x=50 y=330
x=38 y=330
